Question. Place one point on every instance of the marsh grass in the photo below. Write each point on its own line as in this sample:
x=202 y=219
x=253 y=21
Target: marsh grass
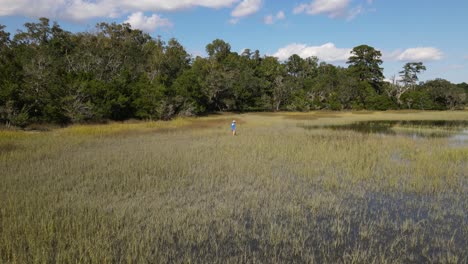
x=188 y=191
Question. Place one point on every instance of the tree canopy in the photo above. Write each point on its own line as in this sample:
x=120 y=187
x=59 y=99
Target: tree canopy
x=114 y=72
x=365 y=62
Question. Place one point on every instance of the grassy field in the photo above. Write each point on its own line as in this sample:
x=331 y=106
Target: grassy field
x=187 y=191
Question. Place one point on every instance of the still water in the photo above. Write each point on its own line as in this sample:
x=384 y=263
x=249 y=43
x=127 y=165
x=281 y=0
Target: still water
x=456 y=130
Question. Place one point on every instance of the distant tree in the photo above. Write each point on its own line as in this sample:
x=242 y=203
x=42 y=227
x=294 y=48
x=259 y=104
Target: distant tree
x=7 y=79
x=417 y=99
x=4 y=36
x=311 y=67
x=256 y=55
x=218 y=83
x=348 y=89
x=148 y=99
x=409 y=78
x=246 y=53
x=247 y=86
x=365 y=63
x=409 y=74
x=218 y=49
x=295 y=65
x=464 y=86
x=154 y=66
x=40 y=50
x=274 y=91
x=191 y=96
x=281 y=91
x=176 y=61
x=445 y=94
x=116 y=72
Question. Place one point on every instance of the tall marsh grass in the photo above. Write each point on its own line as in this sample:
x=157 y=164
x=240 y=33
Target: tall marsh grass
x=188 y=191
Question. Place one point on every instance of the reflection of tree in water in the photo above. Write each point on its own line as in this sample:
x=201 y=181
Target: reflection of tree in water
x=445 y=128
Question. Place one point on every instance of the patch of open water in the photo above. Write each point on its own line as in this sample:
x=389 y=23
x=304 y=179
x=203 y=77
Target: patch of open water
x=455 y=130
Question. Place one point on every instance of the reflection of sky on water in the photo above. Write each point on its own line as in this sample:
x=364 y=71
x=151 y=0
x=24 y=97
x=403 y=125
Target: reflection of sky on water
x=460 y=138
x=455 y=130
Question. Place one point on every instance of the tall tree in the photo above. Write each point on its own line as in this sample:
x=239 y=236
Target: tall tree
x=273 y=74
x=115 y=72
x=218 y=49
x=365 y=63
x=295 y=65
x=409 y=74
x=409 y=77
x=40 y=69
x=176 y=60
x=7 y=84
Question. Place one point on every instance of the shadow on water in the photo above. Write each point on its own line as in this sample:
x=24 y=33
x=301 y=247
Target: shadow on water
x=413 y=128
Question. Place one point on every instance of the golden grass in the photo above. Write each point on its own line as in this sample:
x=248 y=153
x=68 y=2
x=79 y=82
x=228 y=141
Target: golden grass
x=188 y=191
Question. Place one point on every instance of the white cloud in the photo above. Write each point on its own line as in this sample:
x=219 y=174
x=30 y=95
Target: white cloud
x=466 y=57
x=31 y=8
x=149 y=24
x=280 y=15
x=80 y=10
x=246 y=7
x=234 y=21
x=415 y=54
x=354 y=12
x=270 y=19
x=171 y=5
x=327 y=52
x=333 y=8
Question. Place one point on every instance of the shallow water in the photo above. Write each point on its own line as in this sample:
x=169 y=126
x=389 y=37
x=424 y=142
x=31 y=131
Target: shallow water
x=455 y=130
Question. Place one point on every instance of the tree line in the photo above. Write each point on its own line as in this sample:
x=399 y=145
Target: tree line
x=114 y=72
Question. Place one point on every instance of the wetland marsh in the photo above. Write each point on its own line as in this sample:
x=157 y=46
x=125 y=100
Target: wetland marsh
x=188 y=191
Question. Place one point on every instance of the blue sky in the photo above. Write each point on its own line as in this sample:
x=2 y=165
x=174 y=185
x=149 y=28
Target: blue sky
x=431 y=31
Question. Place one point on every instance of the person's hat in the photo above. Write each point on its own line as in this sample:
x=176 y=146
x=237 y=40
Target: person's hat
x=233 y=121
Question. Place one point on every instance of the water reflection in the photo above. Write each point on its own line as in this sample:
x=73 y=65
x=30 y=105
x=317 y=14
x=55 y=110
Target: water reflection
x=461 y=137
x=456 y=129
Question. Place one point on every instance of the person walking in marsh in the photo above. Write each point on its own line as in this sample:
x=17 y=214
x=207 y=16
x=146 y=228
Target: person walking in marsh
x=233 y=127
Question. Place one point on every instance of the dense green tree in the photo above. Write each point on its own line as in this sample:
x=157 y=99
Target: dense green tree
x=115 y=72
x=409 y=74
x=8 y=80
x=218 y=49
x=148 y=98
x=40 y=51
x=324 y=86
x=409 y=77
x=365 y=63
x=463 y=86
x=417 y=99
x=296 y=66
x=248 y=87
x=176 y=61
x=192 y=97
x=445 y=94
x=275 y=92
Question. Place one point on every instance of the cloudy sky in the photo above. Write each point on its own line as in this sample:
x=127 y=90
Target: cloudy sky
x=431 y=31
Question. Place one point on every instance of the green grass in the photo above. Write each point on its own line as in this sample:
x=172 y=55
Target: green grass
x=187 y=191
